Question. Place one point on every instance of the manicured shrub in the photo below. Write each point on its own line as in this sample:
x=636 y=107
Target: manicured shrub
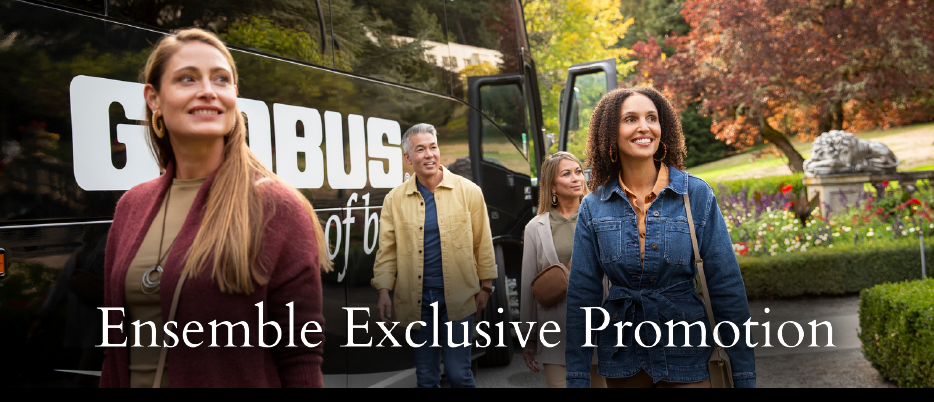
x=846 y=268
x=897 y=331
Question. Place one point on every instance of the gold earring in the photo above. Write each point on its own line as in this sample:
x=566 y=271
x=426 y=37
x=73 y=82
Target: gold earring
x=158 y=124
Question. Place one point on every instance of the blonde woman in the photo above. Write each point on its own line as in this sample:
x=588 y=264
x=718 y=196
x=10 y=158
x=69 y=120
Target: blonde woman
x=218 y=238
x=549 y=238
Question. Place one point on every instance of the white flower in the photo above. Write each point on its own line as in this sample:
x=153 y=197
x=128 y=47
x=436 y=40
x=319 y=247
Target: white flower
x=816 y=242
x=808 y=237
x=889 y=228
x=836 y=234
x=869 y=234
x=847 y=228
x=912 y=230
x=830 y=246
x=774 y=253
x=808 y=224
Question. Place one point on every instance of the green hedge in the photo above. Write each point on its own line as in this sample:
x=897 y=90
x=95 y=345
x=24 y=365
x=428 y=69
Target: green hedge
x=834 y=271
x=897 y=331
x=764 y=185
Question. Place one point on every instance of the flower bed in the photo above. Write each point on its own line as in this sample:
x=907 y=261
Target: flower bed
x=770 y=223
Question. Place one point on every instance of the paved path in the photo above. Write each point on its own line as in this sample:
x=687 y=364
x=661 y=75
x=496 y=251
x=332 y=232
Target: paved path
x=777 y=367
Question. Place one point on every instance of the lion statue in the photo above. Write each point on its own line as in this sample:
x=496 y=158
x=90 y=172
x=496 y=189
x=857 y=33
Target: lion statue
x=837 y=152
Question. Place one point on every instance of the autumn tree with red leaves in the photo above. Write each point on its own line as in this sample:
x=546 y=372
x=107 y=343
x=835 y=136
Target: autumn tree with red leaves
x=797 y=68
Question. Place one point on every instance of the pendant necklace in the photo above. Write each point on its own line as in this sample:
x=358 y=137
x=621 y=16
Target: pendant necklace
x=149 y=286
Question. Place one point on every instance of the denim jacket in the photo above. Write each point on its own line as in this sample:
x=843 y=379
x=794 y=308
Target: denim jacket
x=606 y=241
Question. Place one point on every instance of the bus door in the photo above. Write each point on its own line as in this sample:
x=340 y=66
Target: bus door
x=586 y=84
x=500 y=143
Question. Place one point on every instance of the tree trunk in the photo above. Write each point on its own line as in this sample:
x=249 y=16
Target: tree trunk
x=826 y=123
x=795 y=160
x=838 y=115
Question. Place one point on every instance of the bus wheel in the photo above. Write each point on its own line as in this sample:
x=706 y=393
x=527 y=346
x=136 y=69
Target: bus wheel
x=498 y=356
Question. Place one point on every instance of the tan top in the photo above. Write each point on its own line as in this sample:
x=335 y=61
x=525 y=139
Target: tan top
x=147 y=307
x=642 y=206
x=562 y=232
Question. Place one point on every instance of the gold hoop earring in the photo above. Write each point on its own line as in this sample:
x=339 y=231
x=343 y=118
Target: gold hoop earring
x=554 y=200
x=158 y=124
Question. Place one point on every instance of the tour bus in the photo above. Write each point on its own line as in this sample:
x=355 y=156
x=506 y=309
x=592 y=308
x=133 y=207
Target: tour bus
x=327 y=88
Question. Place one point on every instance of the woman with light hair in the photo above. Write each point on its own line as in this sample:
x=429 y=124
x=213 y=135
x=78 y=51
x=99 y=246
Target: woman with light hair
x=549 y=238
x=218 y=238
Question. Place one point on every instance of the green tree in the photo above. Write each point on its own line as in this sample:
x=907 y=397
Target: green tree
x=426 y=24
x=654 y=18
x=563 y=33
x=701 y=143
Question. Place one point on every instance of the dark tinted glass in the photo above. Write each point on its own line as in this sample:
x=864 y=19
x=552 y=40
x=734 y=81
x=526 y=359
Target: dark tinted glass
x=482 y=38
x=94 y=6
x=284 y=28
x=505 y=133
x=401 y=41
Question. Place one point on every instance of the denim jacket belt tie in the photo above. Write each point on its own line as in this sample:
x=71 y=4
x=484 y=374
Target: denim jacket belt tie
x=621 y=303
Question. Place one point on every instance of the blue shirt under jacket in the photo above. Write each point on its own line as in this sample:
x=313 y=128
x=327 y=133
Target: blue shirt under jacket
x=433 y=270
x=606 y=242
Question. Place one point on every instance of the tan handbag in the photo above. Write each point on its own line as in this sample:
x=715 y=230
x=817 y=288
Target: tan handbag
x=721 y=372
x=551 y=285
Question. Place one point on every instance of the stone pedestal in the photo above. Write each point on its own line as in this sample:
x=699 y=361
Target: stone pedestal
x=829 y=187
x=836 y=192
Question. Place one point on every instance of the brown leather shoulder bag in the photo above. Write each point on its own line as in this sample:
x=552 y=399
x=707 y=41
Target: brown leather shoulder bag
x=551 y=285
x=721 y=373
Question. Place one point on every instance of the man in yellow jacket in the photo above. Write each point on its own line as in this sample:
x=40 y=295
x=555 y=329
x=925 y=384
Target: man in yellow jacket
x=436 y=253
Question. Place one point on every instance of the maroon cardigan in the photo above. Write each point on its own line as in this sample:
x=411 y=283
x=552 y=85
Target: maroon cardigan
x=290 y=254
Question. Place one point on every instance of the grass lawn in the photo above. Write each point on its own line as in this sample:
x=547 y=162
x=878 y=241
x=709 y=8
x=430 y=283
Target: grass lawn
x=913 y=145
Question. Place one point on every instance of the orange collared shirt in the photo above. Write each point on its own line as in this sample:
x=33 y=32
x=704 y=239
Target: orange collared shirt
x=641 y=206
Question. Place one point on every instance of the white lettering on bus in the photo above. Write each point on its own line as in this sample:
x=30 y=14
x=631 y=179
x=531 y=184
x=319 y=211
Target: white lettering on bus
x=91 y=98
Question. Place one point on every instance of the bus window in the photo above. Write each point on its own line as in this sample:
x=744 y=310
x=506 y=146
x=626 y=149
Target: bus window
x=482 y=39
x=586 y=84
x=287 y=29
x=588 y=89
x=400 y=41
x=505 y=133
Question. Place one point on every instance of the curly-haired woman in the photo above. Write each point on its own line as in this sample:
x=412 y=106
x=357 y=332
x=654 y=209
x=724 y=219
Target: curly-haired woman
x=634 y=229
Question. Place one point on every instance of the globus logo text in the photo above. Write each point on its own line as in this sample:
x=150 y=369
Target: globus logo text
x=91 y=98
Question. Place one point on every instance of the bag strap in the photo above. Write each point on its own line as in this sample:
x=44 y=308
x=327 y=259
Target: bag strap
x=165 y=351
x=699 y=263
